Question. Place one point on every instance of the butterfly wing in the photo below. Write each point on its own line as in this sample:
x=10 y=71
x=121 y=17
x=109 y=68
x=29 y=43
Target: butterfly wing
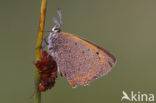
x=79 y=60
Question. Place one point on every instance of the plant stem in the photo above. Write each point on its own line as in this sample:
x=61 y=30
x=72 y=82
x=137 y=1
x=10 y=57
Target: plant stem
x=37 y=95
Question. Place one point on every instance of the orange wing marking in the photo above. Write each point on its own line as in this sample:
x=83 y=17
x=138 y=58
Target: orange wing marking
x=82 y=79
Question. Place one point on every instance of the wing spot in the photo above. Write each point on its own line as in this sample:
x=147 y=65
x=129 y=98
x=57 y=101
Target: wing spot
x=75 y=43
x=97 y=53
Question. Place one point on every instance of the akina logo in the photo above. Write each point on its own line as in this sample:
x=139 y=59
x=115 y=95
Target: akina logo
x=137 y=97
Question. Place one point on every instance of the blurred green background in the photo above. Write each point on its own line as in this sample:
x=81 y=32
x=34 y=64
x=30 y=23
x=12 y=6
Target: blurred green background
x=126 y=28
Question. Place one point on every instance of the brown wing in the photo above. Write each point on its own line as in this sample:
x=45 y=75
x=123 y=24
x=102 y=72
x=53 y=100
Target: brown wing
x=79 y=60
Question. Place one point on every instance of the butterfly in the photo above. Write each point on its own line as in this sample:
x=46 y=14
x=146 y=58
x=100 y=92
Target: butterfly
x=78 y=60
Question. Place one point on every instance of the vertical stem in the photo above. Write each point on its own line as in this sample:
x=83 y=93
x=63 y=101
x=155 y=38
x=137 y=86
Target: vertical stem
x=37 y=96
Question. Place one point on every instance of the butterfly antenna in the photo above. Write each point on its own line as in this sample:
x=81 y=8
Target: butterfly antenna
x=56 y=22
x=60 y=15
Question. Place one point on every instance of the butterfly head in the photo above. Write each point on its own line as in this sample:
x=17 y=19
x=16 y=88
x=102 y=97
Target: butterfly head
x=56 y=29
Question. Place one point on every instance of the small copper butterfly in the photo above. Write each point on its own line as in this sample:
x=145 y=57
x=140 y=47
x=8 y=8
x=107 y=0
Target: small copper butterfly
x=78 y=59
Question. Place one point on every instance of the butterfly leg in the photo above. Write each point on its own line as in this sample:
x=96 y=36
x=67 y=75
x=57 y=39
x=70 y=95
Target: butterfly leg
x=46 y=41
